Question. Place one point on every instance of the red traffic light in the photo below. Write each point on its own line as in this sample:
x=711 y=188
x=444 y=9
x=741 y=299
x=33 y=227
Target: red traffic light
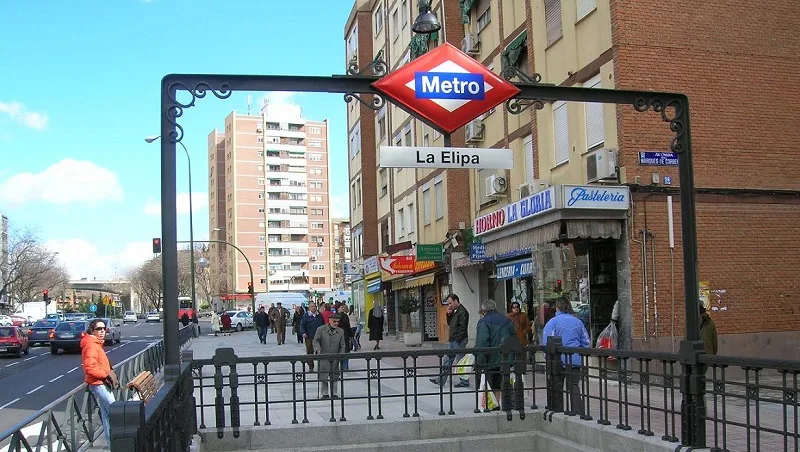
x=44 y=292
x=157 y=245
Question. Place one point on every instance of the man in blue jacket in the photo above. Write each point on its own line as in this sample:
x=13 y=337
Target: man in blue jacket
x=308 y=328
x=573 y=334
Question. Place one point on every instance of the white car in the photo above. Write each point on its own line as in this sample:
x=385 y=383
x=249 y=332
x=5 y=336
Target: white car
x=241 y=320
x=153 y=316
x=129 y=316
x=5 y=320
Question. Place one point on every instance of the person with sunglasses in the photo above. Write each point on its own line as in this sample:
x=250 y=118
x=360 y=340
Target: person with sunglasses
x=98 y=374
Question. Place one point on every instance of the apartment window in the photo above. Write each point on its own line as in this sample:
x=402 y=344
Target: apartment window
x=262 y=252
x=263 y=266
x=426 y=204
x=381 y=124
x=560 y=132
x=384 y=179
x=407 y=130
x=355 y=140
x=261 y=238
x=353 y=194
x=483 y=19
x=412 y=224
x=315 y=157
x=395 y=24
x=318 y=280
x=358 y=191
x=595 y=136
x=314 y=130
x=261 y=196
x=317 y=266
x=315 y=144
x=401 y=222
x=584 y=7
x=384 y=231
x=404 y=12
x=438 y=189
x=263 y=280
x=426 y=140
x=260 y=181
x=261 y=153
x=260 y=139
x=378 y=20
x=260 y=210
x=527 y=149
x=316 y=171
x=261 y=224
x=316 y=185
x=552 y=17
x=317 y=225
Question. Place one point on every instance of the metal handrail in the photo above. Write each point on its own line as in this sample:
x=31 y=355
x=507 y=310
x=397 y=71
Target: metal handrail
x=150 y=358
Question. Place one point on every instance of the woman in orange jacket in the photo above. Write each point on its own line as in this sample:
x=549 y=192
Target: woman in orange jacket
x=98 y=374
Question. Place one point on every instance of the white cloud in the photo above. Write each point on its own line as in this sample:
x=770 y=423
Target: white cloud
x=65 y=182
x=199 y=204
x=340 y=207
x=281 y=104
x=17 y=111
x=83 y=260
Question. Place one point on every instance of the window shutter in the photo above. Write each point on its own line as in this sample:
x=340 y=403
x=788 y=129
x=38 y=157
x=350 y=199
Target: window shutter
x=527 y=149
x=561 y=132
x=552 y=17
x=584 y=7
x=594 y=117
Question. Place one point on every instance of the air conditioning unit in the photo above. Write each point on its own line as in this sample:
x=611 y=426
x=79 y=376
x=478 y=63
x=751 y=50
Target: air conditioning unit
x=474 y=131
x=601 y=164
x=496 y=186
x=471 y=44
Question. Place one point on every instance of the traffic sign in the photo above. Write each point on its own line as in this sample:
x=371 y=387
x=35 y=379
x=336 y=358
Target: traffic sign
x=430 y=253
x=93 y=308
x=446 y=87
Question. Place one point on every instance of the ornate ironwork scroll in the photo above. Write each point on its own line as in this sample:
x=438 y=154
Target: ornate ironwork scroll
x=199 y=91
x=673 y=112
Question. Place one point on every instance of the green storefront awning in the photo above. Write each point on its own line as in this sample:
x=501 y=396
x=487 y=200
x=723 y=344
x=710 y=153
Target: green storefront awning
x=511 y=54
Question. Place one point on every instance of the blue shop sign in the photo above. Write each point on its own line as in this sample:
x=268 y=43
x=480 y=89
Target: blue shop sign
x=518 y=269
x=658 y=158
x=374 y=286
x=477 y=252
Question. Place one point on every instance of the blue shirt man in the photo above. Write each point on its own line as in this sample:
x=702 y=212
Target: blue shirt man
x=569 y=328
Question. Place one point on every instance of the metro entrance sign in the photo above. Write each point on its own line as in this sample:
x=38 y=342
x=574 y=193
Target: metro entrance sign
x=446 y=87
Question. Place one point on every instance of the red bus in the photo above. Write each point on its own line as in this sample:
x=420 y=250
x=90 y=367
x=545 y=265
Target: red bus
x=186 y=306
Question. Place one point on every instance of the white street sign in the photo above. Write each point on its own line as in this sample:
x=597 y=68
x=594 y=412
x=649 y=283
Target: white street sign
x=350 y=268
x=417 y=157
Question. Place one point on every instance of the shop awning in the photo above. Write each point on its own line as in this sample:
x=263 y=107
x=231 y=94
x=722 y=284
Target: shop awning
x=522 y=236
x=511 y=54
x=594 y=229
x=416 y=281
x=465 y=262
x=525 y=238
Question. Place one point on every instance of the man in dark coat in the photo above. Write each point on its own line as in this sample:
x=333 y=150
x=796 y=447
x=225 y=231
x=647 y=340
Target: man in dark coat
x=329 y=339
x=457 y=320
x=261 y=319
x=375 y=324
x=309 y=324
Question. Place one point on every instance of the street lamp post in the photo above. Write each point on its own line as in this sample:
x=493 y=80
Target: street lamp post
x=191 y=223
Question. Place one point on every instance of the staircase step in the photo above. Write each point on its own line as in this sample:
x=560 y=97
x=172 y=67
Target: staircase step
x=507 y=442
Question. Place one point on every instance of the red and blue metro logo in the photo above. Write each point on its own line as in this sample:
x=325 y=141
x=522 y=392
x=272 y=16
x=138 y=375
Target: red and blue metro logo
x=446 y=87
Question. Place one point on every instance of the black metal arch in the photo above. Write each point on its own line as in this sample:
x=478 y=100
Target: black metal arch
x=673 y=108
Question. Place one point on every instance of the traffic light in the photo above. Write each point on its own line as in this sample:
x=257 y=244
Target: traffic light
x=45 y=296
x=250 y=288
x=157 y=245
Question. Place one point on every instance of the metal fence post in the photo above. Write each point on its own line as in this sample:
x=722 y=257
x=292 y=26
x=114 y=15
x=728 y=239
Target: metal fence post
x=552 y=371
x=127 y=426
x=693 y=388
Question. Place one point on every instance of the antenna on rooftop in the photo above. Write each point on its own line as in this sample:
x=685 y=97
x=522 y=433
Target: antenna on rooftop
x=249 y=101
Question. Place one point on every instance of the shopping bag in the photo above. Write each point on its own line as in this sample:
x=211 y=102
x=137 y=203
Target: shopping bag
x=488 y=400
x=512 y=379
x=464 y=366
x=608 y=339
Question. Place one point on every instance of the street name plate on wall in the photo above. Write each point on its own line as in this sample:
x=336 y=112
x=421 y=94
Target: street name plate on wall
x=417 y=157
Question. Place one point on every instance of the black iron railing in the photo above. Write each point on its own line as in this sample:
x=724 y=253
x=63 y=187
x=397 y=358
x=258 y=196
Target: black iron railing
x=667 y=395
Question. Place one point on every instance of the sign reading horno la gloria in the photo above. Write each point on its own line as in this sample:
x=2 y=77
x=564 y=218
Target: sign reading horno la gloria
x=446 y=87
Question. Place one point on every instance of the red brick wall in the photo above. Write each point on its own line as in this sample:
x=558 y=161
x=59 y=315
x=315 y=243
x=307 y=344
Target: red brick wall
x=737 y=63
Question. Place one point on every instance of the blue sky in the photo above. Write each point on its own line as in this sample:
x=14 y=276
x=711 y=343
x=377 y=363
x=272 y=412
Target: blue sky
x=80 y=91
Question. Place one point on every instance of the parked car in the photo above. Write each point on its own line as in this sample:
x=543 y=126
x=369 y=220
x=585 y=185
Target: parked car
x=153 y=316
x=113 y=333
x=67 y=336
x=39 y=332
x=5 y=320
x=129 y=316
x=13 y=341
x=241 y=320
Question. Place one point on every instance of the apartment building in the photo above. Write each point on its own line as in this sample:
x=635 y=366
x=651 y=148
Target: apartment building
x=342 y=252
x=621 y=250
x=5 y=303
x=269 y=195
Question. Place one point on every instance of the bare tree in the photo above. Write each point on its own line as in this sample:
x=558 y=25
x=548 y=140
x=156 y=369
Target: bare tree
x=147 y=281
x=218 y=273
x=31 y=268
x=204 y=279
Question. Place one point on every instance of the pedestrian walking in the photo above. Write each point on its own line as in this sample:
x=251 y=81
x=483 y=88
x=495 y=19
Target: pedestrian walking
x=216 y=325
x=309 y=324
x=99 y=376
x=352 y=319
x=296 y=318
x=492 y=330
x=329 y=339
x=375 y=325
x=281 y=318
x=522 y=324
x=271 y=313
x=457 y=321
x=708 y=332
x=344 y=325
x=226 y=323
x=261 y=319
x=573 y=334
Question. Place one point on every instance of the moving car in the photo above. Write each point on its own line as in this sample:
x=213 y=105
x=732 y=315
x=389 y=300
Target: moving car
x=153 y=316
x=57 y=317
x=241 y=320
x=129 y=316
x=67 y=336
x=39 y=333
x=13 y=341
x=5 y=320
x=113 y=333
